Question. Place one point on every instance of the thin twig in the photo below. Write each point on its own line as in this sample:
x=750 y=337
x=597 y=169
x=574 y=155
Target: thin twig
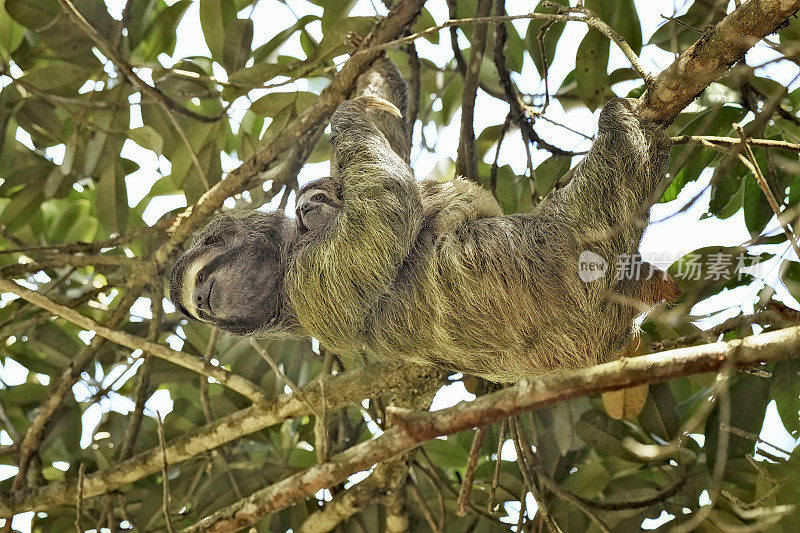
x=467 y=159
x=232 y=381
x=600 y=25
x=143 y=385
x=533 y=462
x=167 y=104
x=752 y=436
x=527 y=476
x=493 y=171
x=423 y=505
x=435 y=486
x=497 y=464
x=731 y=142
x=321 y=444
x=722 y=392
x=79 y=510
x=414 y=88
x=469 y=475
x=752 y=164
x=204 y=398
x=110 y=52
x=521 y=112
x=9 y=426
x=775 y=314
x=165 y=473
x=266 y=357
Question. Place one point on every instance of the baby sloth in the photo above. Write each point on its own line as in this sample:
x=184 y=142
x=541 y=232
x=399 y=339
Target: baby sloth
x=445 y=204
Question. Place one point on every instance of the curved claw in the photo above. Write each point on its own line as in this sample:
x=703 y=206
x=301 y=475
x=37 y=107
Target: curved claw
x=376 y=102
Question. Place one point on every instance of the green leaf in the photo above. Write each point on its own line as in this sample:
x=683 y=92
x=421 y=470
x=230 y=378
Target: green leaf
x=267 y=52
x=727 y=195
x=757 y=212
x=148 y=138
x=11 y=34
x=692 y=158
x=591 y=70
x=565 y=415
x=258 y=74
x=333 y=39
x=589 y=480
x=335 y=12
x=546 y=174
x=786 y=392
x=706 y=271
x=603 y=433
x=271 y=104
x=112 y=199
x=790 y=275
x=17 y=213
x=32 y=14
x=550 y=39
x=74 y=225
x=622 y=16
x=159 y=38
x=212 y=21
x=238 y=43
x=425 y=21
x=676 y=36
x=446 y=453
x=659 y=417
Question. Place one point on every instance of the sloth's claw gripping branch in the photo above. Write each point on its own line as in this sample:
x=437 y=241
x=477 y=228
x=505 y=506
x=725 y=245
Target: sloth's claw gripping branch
x=376 y=102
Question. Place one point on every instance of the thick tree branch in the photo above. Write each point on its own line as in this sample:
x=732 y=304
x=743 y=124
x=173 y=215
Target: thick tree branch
x=712 y=55
x=414 y=427
x=232 y=381
x=340 y=390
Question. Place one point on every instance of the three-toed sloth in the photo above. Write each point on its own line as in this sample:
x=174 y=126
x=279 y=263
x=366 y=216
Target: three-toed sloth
x=382 y=272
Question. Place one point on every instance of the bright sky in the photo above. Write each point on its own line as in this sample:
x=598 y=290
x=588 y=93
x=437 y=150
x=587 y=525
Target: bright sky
x=664 y=241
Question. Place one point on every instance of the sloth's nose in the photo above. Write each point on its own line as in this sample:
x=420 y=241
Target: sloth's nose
x=201 y=295
x=305 y=208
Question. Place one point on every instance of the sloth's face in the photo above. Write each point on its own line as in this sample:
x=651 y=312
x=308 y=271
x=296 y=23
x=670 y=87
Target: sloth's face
x=232 y=276
x=316 y=208
x=317 y=205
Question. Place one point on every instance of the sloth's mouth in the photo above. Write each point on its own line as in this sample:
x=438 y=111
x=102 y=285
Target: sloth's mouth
x=208 y=298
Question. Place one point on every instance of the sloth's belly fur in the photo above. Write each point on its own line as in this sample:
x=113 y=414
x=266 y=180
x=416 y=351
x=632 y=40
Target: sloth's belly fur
x=514 y=309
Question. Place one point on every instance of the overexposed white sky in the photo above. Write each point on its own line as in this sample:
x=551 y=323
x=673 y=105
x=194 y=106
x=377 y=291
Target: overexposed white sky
x=668 y=237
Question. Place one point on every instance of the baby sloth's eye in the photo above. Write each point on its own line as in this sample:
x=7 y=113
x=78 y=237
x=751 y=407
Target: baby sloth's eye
x=319 y=197
x=212 y=240
x=201 y=277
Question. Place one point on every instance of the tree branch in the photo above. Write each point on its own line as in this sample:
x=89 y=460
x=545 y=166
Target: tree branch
x=467 y=160
x=731 y=142
x=340 y=390
x=230 y=380
x=414 y=427
x=711 y=56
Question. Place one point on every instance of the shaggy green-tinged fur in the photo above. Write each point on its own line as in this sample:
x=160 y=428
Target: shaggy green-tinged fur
x=445 y=204
x=497 y=297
